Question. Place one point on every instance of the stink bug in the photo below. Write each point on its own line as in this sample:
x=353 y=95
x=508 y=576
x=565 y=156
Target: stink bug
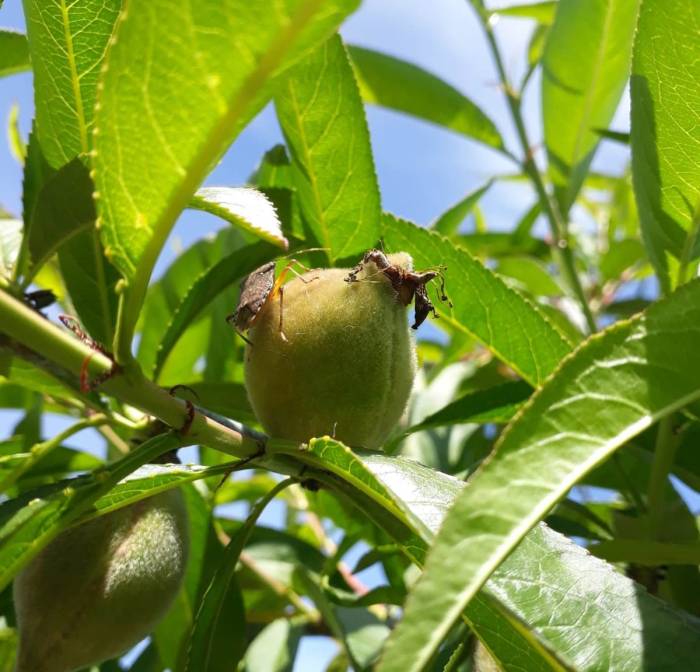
x=256 y=290
x=407 y=285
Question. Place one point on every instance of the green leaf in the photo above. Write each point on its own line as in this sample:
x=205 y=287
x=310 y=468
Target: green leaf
x=37 y=172
x=495 y=244
x=585 y=69
x=516 y=650
x=205 y=288
x=484 y=306
x=178 y=87
x=644 y=552
x=149 y=480
x=63 y=208
x=245 y=207
x=622 y=138
x=626 y=378
x=204 y=554
x=495 y=404
x=449 y=221
x=59 y=214
x=547 y=583
x=14 y=53
x=67 y=43
x=218 y=639
x=417 y=499
x=535 y=49
x=665 y=137
x=275 y=648
x=620 y=256
x=58 y=463
x=168 y=293
x=542 y=12
x=398 y=85
x=529 y=274
x=26 y=530
x=91 y=282
x=323 y=121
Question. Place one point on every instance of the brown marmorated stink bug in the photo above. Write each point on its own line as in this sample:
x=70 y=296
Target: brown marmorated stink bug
x=256 y=290
x=407 y=285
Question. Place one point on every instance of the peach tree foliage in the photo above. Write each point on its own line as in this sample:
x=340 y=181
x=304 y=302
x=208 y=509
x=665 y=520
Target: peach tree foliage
x=550 y=371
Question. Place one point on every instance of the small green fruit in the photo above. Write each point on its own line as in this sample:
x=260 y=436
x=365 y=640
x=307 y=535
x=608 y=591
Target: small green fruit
x=99 y=588
x=341 y=364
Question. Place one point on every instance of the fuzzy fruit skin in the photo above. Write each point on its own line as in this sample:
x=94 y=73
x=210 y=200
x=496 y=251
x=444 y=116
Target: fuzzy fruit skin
x=347 y=366
x=99 y=588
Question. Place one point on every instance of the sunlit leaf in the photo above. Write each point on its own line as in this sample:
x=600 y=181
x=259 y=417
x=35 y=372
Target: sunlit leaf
x=274 y=177
x=67 y=44
x=332 y=161
x=185 y=110
x=542 y=12
x=528 y=587
x=405 y=87
x=245 y=207
x=484 y=305
x=585 y=68
x=14 y=53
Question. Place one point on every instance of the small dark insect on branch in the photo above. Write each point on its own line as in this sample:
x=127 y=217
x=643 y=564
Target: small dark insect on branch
x=40 y=298
x=408 y=285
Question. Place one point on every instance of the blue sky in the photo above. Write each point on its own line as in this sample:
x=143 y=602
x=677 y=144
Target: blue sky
x=422 y=169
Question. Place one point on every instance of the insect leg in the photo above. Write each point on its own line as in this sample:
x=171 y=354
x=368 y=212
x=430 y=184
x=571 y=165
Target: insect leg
x=281 y=293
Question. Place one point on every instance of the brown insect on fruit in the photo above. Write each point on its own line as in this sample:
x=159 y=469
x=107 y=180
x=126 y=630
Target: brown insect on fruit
x=408 y=285
x=256 y=290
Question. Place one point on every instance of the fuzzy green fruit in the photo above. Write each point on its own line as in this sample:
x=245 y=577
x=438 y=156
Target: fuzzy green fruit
x=343 y=363
x=99 y=588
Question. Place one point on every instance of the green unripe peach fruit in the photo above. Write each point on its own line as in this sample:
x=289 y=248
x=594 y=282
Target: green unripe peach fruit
x=99 y=588
x=342 y=363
